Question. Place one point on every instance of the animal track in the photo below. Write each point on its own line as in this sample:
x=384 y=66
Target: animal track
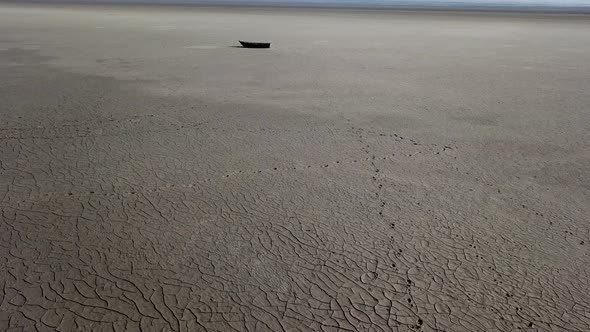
x=271 y=170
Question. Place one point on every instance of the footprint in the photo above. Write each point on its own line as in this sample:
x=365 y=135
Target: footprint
x=368 y=277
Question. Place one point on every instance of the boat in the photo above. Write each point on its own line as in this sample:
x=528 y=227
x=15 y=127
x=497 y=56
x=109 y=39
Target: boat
x=247 y=44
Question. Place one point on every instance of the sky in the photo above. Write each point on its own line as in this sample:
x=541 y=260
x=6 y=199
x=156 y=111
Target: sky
x=368 y=3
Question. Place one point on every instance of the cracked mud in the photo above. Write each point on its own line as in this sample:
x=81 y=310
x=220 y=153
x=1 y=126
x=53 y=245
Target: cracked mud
x=148 y=185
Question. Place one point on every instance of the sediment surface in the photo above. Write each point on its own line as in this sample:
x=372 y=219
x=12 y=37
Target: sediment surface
x=372 y=171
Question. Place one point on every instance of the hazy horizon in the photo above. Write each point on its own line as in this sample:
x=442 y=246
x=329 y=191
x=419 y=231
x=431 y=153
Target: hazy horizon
x=517 y=4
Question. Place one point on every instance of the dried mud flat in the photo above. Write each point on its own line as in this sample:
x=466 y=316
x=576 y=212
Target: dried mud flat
x=432 y=176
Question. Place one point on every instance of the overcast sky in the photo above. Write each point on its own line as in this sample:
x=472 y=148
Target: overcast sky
x=377 y=3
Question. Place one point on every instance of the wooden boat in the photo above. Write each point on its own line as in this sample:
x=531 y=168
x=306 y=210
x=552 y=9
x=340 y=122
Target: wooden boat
x=255 y=44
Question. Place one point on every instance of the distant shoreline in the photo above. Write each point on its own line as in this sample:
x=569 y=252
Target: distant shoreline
x=475 y=9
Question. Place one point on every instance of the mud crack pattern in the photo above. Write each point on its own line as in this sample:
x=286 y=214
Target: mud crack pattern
x=129 y=211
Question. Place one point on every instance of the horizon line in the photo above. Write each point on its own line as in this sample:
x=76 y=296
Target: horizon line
x=459 y=6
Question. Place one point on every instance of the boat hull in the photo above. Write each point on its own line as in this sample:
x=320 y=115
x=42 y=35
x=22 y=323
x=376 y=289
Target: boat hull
x=254 y=44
